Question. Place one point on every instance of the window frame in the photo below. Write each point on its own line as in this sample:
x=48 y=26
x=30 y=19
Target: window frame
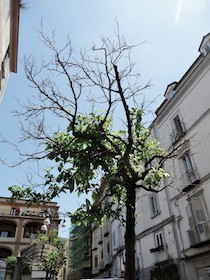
x=114 y=239
x=159 y=240
x=178 y=128
x=189 y=167
x=198 y=217
x=154 y=204
x=207 y=47
x=96 y=260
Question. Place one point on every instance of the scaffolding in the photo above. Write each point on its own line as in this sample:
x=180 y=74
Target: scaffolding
x=80 y=259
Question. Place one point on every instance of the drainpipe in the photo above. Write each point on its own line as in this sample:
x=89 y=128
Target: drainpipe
x=141 y=258
x=175 y=233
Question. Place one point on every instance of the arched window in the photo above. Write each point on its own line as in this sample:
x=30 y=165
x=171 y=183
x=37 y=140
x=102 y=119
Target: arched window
x=4 y=253
x=7 y=229
x=31 y=230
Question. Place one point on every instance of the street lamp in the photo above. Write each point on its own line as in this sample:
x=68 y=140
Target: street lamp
x=47 y=223
x=18 y=268
x=44 y=228
x=64 y=224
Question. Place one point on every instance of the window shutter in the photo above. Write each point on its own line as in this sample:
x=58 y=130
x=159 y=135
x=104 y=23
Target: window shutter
x=190 y=217
x=178 y=125
x=198 y=210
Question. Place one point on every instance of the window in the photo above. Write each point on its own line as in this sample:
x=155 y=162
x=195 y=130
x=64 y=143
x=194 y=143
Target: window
x=120 y=237
x=7 y=229
x=178 y=125
x=158 y=243
x=95 y=239
x=96 y=261
x=207 y=47
x=114 y=240
x=188 y=166
x=155 y=208
x=4 y=234
x=159 y=240
x=178 y=130
x=13 y=211
x=31 y=230
x=102 y=254
x=198 y=220
x=108 y=248
x=170 y=94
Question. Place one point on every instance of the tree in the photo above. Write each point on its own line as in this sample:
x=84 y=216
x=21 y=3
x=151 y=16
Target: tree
x=11 y=262
x=105 y=139
x=52 y=262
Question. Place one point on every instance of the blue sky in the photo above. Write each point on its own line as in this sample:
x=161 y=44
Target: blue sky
x=172 y=30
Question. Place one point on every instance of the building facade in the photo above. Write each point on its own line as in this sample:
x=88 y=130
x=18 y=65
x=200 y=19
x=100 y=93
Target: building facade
x=173 y=230
x=20 y=224
x=102 y=260
x=9 y=28
x=172 y=226
x=80 y=251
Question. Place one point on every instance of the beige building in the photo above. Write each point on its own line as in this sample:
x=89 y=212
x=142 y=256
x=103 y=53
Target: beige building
x=9 y=28
x=19 y=224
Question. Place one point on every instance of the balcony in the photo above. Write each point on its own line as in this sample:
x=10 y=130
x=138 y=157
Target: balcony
x=16 y=211
x=176 y=135
x=106 y=230
x=159 y=248
x=189 y=180
x=101 y=265
x=199 y=235
x=107 y=260
x=7 y=230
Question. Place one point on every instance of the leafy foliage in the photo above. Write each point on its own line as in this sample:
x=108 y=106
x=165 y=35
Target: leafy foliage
x=51 y=238
x=96 y=153
x=52 y=262
x=11 y=262
x=89 y=152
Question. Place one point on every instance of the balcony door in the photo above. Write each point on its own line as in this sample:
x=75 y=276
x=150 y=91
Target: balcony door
x=198 y=219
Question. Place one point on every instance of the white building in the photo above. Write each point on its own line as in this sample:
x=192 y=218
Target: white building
x=9 y=27
x=173 y=225
x=102 y=241
x=101 y=250
x=173 y=228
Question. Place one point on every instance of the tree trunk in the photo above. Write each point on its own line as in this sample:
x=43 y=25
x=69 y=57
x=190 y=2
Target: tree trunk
x=130 y=234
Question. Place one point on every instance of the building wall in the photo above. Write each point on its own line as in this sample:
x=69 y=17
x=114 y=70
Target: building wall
x=181 y=211
x=9 y=26
x=19 y=223
x=102 y=249
x=189 y=190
